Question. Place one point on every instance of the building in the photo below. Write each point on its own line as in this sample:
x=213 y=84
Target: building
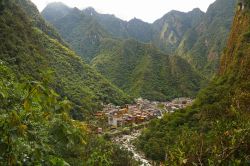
x=115 y=120
x=144 y=110
x=241 y=5
x=99 y=130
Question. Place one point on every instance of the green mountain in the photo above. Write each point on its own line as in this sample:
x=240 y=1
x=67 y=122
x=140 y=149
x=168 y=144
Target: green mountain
x=38 y=21
x=85 y=30
x=216 y=129
x=140 y=30
x=142 y=70
x=203 y=44
x=115 y=26
x=83 y=33
x=170 y=29
x=118 y=28
x=56 y=11
x=29 y=50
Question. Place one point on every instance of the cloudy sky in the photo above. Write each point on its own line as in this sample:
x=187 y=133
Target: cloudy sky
x=147 y=10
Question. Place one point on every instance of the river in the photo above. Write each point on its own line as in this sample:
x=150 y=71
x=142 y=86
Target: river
x=125 y=141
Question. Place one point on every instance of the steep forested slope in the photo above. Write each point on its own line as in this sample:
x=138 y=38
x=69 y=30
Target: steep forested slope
x=170 y=29
x=38 y=21
x=118 y=28
x=216 y=129
x=84 y=30
x=142 y=70
x=81 y=31
x=30 y=51
x=203 y=44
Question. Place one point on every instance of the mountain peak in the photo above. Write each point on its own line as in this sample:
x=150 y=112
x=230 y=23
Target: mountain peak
x=56 y=5
x=135 y=20
x=197 y=10
x=76 y=9
x=55 y=10
x=90 y=11
x=196 y=13
x=175 y=12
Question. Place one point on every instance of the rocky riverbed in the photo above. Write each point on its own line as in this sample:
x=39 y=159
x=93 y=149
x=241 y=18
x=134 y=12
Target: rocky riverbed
x=125 y=141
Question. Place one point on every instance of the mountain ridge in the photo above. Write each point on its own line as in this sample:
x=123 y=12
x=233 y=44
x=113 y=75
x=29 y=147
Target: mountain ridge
x=185 y=34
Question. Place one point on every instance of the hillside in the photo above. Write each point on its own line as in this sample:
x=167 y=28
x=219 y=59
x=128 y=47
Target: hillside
x=82 y=32
x=215 y=130
x=203 y=44
x=170 y=29
x=118 y=28
x=30 y=51
x=141 y=70
x=38 y=21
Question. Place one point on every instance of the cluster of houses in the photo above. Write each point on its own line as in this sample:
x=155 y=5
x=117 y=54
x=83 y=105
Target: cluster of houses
x=143 y=110
x=178 y=103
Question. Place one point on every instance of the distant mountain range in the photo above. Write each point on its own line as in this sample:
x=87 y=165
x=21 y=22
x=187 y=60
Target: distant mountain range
x=196 y=36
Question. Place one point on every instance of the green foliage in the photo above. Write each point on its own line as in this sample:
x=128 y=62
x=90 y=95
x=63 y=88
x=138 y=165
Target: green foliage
x=37 y=20
x=35 y=129
x=25 y=114
x=181 y=139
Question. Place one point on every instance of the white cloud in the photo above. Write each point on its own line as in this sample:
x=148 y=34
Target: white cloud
x=147 y=10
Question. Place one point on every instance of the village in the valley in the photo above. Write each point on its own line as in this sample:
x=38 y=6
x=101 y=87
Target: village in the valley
x=141 y=112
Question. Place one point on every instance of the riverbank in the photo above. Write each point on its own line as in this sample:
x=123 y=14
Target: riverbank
x=126 y=142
